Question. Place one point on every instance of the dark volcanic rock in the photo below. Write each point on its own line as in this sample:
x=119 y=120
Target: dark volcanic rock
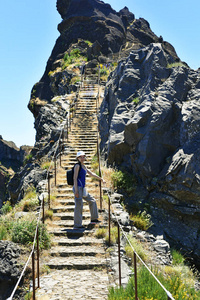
x=150 y=120
x=11 y=159
x=9 y=268
x=10 y=155
x=30 y=175
x=106 y=29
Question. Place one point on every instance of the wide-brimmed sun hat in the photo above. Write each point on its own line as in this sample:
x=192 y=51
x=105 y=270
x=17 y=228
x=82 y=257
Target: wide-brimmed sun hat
x=80 y=153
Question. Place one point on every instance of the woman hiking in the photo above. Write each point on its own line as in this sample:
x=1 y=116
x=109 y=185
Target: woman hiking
x=80 y=192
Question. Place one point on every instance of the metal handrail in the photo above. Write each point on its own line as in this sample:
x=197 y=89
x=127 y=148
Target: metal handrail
x=36 y=238
x=136 y=255
x=169 y=295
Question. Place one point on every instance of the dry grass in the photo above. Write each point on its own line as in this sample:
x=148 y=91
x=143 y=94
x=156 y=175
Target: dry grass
x=107 y=175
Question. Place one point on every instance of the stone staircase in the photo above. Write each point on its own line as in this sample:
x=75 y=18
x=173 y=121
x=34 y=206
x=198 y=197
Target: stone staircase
x=77 y=261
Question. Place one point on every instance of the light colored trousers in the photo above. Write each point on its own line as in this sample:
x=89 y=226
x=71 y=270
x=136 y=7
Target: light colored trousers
x=79 y=206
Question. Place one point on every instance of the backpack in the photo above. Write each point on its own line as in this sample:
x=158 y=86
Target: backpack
x=70 y=174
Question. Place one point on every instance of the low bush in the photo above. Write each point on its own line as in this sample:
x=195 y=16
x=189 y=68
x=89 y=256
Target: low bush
x=149 y=289
x=175 y=65
x=48 y=214
x=124 y=180
x=101 y=233
x=73 y=57
x=27 y=158
x=113 y=236
x=3 y=232
x=23 y=232
x=177 y=258
x=137 y=247
x=142 y=220
x=46 y=165
x=30 y=205
x=6 y=208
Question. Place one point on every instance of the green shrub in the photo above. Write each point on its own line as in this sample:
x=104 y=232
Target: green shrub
x=142 y=220
x=30 y=205
x=88 y=43
x=175 y=65
x=137 y=247
x=23 y=232
x=30 y=193
x=149 y=289
x=123 y=180
x=136 y=100
x=177 y=258
x=95 y=164
x=46 y=165
x=100 y=233
x=113 y=236
x=3 y=232
x=72 y=57
x=27 y=158
x=48 y=214
x=6 y=208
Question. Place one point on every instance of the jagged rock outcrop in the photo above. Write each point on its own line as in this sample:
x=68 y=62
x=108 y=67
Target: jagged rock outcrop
x=149 y=123
x=10 y=268
x=48 y=124
x=11 y=159
x=111 y=32
x=11 y=155
x=149 y=118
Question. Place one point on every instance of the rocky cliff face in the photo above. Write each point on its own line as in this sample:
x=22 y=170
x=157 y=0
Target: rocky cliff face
x=110 y=31
x=150 y=124
x=149 y=119
x=11 y=159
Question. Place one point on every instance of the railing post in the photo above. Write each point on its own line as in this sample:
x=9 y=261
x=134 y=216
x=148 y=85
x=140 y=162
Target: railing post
x=55 y=169
x=63 y=139
x=109 y=219
x=43 y=209
x=67 y=129
x=119 y=259
x=38 y=258
x=98 y=157
x=135 y=275
x=60 y=152
x=49 y=190
x=33 y=274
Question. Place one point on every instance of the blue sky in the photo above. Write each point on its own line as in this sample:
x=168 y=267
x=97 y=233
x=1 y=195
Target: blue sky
x=28 y=32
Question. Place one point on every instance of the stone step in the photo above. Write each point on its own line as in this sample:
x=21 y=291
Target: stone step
x=69 y=216
x=82 y=250
x=84 y=240
x=64 y=184
x=68 y=232
x=64 y=194
x=83 y=263
x=67 y=208
x=67 y=223
x=84 y=137
x=68 y=188
x=65 y=202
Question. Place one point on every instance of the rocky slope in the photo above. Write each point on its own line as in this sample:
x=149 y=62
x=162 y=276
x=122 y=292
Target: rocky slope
x=149 y=117
x=150 y=124
x=110 y=31
x=11 y=159
x=52 y=95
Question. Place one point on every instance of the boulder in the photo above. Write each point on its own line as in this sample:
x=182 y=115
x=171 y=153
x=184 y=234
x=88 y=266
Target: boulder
x=10 y=268
x=124 y=219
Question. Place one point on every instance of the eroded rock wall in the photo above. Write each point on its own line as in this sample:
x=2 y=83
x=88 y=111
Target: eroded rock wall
x=149 y=123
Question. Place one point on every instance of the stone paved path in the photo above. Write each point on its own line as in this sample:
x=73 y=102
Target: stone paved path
x=77 y=262
x=73 y=284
